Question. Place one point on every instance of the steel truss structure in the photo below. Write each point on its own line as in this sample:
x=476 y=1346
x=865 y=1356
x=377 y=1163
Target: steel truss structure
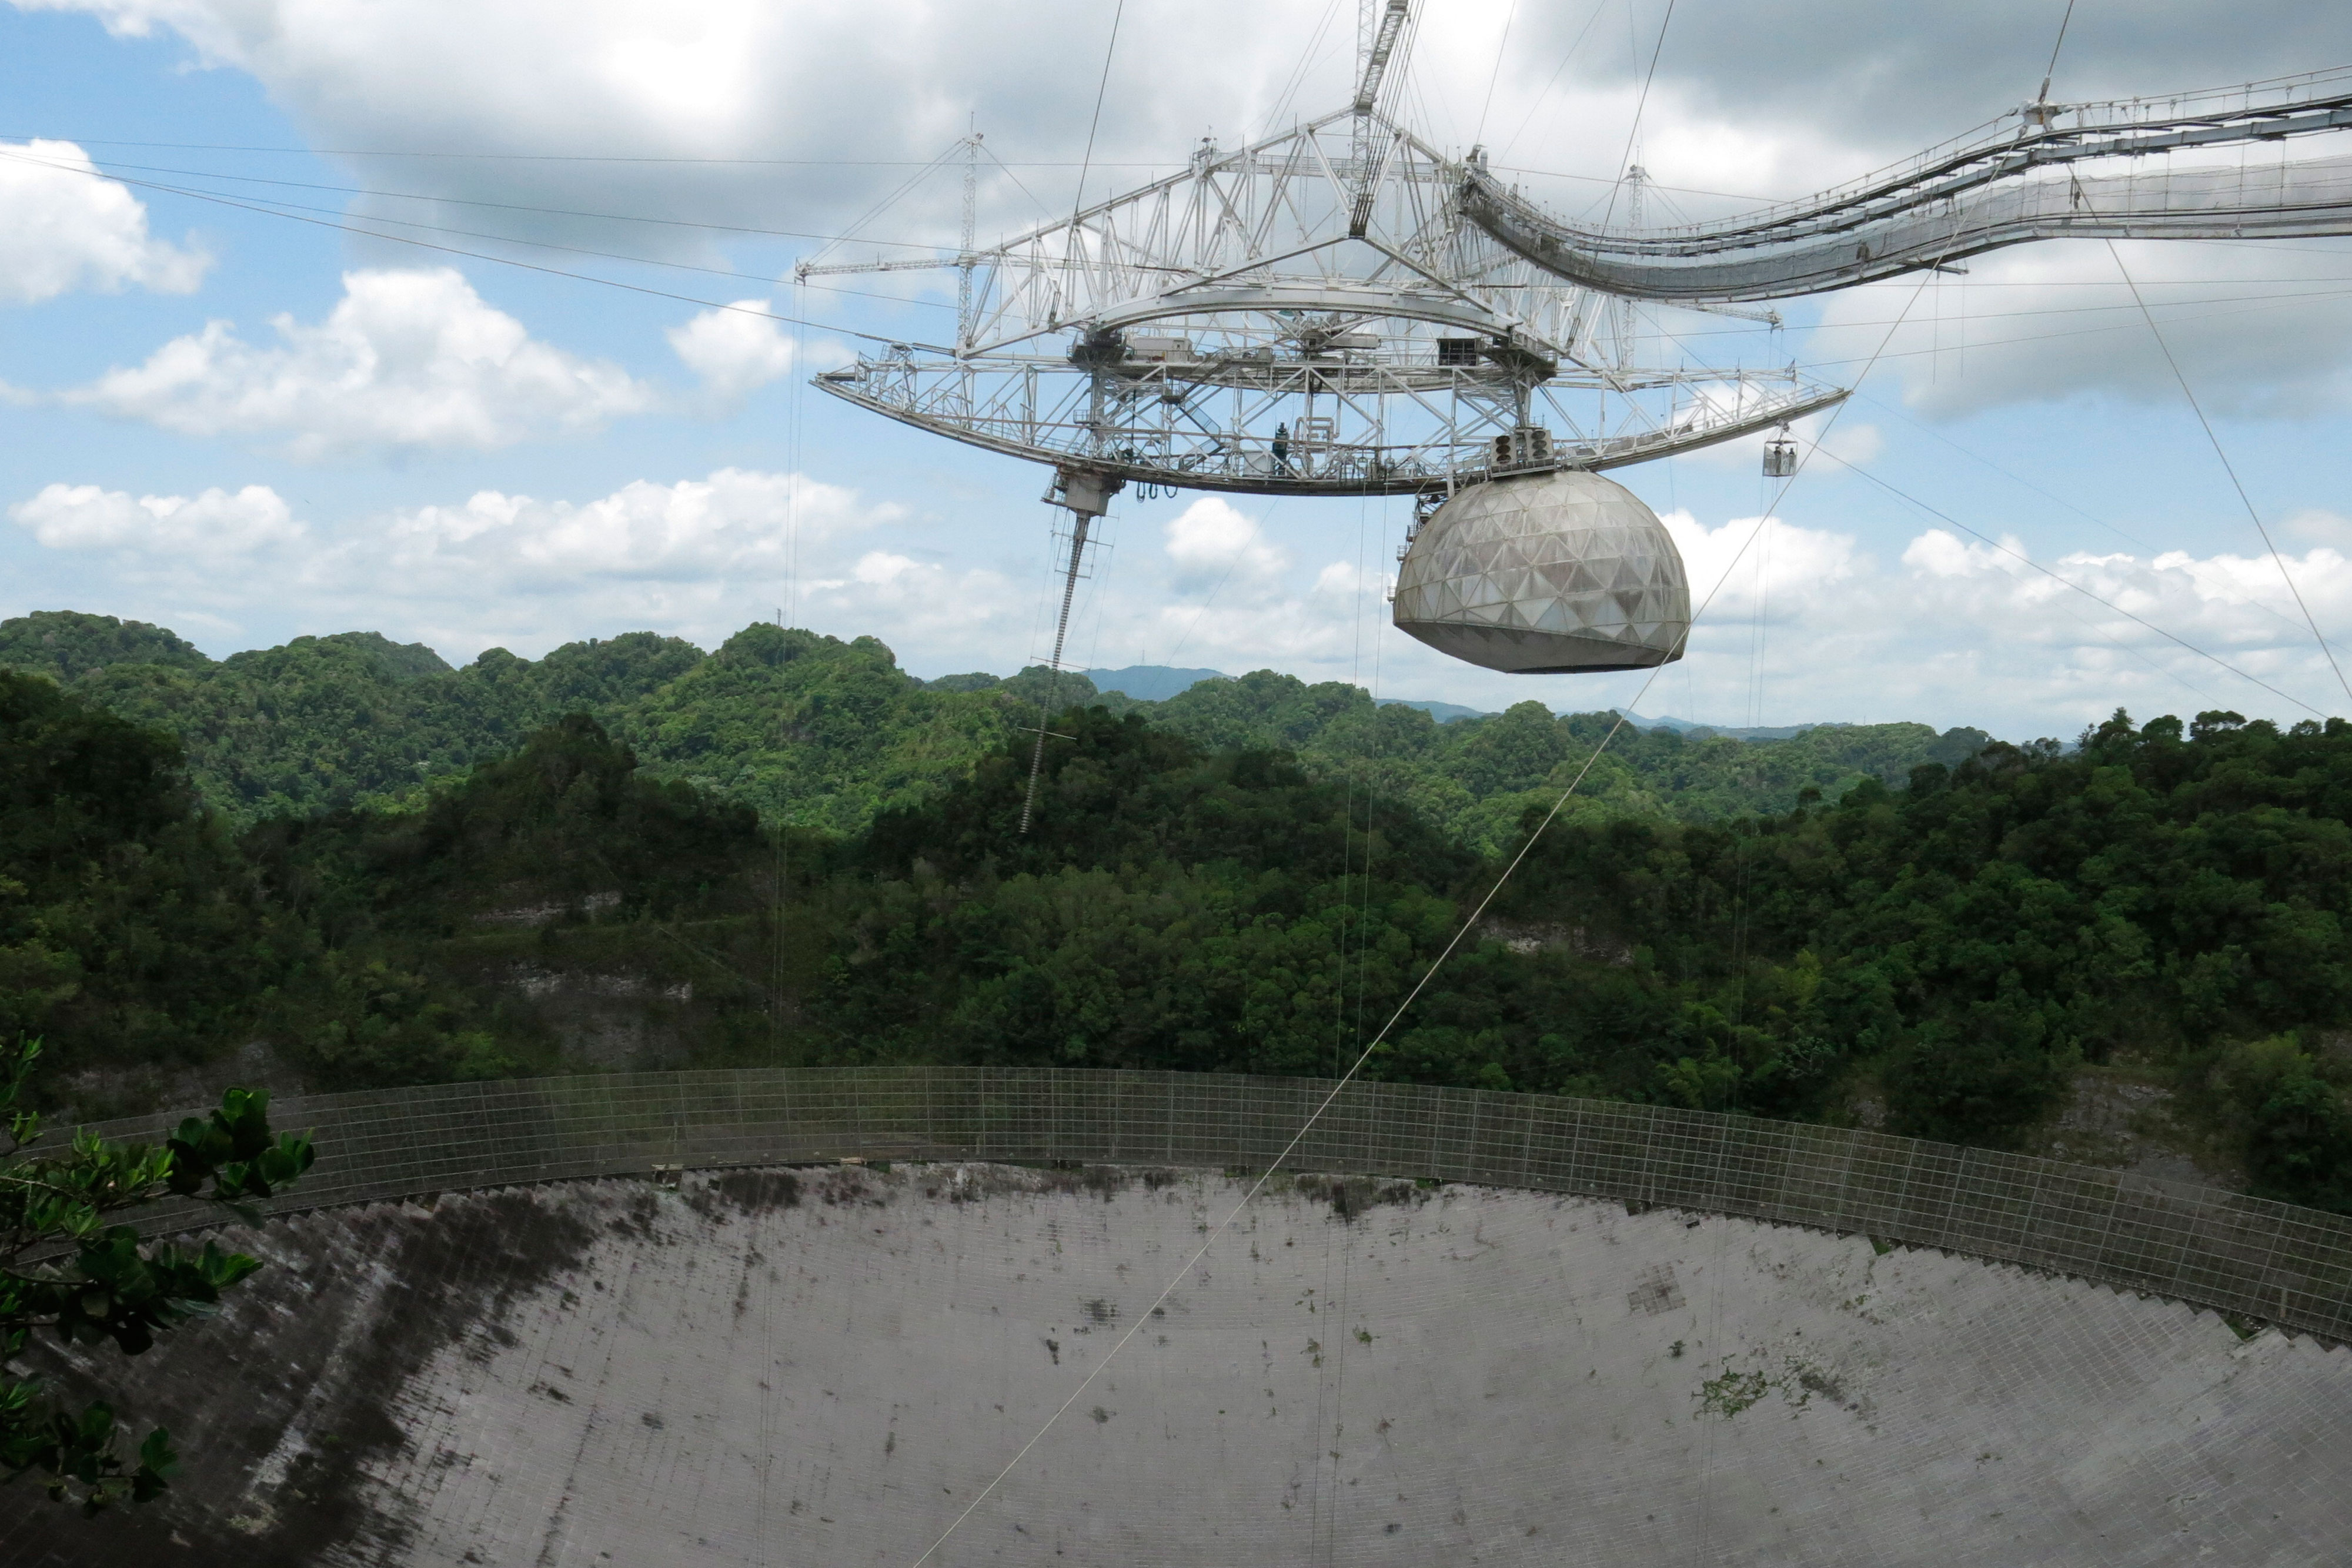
x=1313 y=314
x=1342 y=309
x=2046 y=171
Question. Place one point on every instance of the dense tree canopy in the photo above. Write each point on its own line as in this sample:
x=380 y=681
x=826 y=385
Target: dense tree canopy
x=820 y=733
x=127 y=915
x=1202 y=887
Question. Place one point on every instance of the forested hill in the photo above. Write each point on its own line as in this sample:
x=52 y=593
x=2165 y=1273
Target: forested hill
x=823 y=734
x=1950 y=955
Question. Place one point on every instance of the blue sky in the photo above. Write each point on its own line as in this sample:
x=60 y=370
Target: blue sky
x=249 y=428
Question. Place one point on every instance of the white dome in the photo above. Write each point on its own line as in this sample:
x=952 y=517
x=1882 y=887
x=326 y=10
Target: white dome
x=1557 y=573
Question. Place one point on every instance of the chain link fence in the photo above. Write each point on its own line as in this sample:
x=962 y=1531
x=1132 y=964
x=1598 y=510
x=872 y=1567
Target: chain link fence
x=2239 y=1255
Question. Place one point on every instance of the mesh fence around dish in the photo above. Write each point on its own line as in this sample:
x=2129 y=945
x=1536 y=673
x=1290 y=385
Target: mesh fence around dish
x=2243 y=1255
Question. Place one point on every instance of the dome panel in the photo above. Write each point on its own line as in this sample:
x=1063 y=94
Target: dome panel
x=1550 y=574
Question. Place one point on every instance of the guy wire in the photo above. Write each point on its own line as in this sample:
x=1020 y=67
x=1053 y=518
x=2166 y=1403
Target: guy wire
x=1331 y=1097
x=1633 y=133
x=1987 y=540
x=2227 y=466
x=352 y=228
x=1102 y=85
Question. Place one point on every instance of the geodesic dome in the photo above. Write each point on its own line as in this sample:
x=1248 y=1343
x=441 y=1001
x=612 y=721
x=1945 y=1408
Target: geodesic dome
x=1556 y=573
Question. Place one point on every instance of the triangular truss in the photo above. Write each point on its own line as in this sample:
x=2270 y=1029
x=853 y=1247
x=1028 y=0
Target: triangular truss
x=1310 y=314
x=1342 y=309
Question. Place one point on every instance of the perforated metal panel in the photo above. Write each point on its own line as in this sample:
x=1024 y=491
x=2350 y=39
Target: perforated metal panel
x=2291 y=1266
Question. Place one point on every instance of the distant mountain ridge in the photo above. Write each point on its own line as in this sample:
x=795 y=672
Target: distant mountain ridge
x=1159 y=683
x=823 y=734
x=1443 y=712
x=1152 y=682
x=1758 y=732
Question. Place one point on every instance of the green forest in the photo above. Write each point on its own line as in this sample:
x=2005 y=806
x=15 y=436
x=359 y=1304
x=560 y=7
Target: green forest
x=376 y=870
x=815 y=732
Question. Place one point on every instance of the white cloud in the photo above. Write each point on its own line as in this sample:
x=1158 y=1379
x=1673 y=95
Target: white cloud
x=2260 y=330
x=1341 y=578
x=734 y=351
x=2319 y=527
x=86 y=518
x=1744 y=104
x=1223 y=594
x=63 y=227
x=831 y=93
x=696 y=557
x=1973 y=631
x=737 y=523
x=1742 y=100
x=1804 y=623
x=1735 y=568
x=407 y=359
x=1211 y=540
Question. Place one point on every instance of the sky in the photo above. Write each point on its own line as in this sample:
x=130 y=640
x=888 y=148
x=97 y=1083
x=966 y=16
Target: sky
x=249 y=425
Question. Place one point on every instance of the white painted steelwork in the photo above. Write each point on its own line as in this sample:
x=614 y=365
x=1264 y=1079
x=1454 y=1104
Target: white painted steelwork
x=1340 y=308
x=1310 y=314
x=2046 y=170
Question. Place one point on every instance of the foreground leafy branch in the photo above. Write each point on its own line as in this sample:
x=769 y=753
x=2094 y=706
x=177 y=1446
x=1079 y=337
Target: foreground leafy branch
x=65 y=1269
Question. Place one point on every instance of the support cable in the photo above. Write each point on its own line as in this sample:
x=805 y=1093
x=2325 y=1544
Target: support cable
x=1502 y=47
x=1054 y=678
x=1598 y=7
x=352 y=228
x=1641 y=102
x=887 y=203
x=325 y=189
x=2018 y=556
x=271 y=206
x=2193 y=568
x=1102 y=85
x=2052 y=68
x=2230 y=469
x=1466 y=927
x=1307 y=58
x=1079 y=527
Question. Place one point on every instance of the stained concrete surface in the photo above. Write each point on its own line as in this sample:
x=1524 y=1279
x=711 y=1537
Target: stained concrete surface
x=825 y=1366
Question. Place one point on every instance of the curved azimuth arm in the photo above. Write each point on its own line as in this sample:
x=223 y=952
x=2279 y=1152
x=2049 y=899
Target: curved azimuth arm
x=1311 y=314
x=1307 y=315
x=2034 y=174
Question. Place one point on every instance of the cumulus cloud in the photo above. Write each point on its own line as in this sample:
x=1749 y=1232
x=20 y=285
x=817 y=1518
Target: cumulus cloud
x=1747 y=563
x=829 y=104
x=735 y=351
x=830 y=94
x=1800 y=623
x=217 y=522
x=1744 y=99
x=1213 y=540
x=65 y=226
x=737 y=522
x=407 y=359
x=1975 y=632
x=697 y=558
x=2259 y=331
x=2319 y=525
